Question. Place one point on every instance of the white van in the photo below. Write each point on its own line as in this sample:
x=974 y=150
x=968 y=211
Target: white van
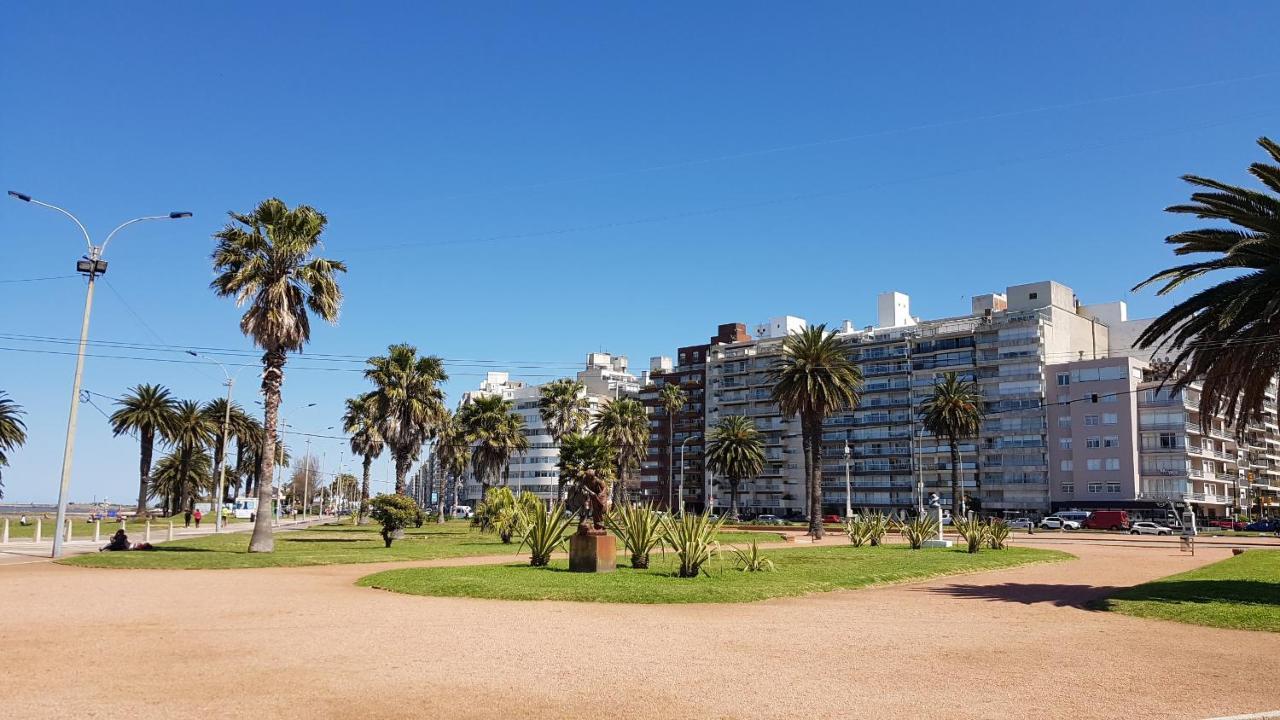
x=245 y=507
x=1076 y=516
x=462 y=512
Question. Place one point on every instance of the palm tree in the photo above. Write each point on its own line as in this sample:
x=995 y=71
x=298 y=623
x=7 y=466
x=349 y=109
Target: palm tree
x=190 y=433
x=13 y=433
x=216 y=412
x=361 y=423
x=1226 y=336
x=954 y=411
x=624 y=425
x=735 y=450
x=452 y=453
x=496 y=431
x=147 y=410
x=407 y=403
x=814 y=378
x=265 y=259
x=671 y=398
x=177 y=477
x=562 y=405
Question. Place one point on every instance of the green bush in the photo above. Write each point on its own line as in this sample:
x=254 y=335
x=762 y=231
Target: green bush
x=998 y=534
x=752 y=560
x=918 y=529
x=394 y=513
x=693 y=539
x=858 y=531
x=544 y=532
x=639 y=529
x=972 y=530
x=501 y=512
x=877 y=526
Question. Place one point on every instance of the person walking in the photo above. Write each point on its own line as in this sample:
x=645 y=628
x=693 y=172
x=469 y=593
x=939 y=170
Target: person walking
x=197 y=515
x=186 y=518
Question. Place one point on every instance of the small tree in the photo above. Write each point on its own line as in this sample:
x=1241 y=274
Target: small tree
x=394 y=513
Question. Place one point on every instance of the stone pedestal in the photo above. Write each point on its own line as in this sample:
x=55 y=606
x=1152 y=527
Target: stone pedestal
x=936 y=544
x=592 y=553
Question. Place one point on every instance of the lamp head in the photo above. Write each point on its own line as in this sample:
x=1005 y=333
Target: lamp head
x=20 y=196
x=179 y=214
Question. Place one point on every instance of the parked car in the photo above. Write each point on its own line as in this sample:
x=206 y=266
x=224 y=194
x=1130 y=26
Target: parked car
x=1019 y=523
x=769 y=520
x=1227 y=524
x=1263 y=526
x=1054 y=522
x=1107 y=520
x=832 y=519
x=1146 y=527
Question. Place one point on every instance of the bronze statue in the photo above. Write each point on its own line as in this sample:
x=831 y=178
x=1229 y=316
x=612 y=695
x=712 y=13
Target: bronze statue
x=589 y=494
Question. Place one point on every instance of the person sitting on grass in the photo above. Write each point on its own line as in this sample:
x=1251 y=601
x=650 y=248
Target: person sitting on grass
x=119 y=541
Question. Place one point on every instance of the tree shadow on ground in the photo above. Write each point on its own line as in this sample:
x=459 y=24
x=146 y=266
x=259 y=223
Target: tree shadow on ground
x=1029 y=593
x=326 y=540
x=1243 y=592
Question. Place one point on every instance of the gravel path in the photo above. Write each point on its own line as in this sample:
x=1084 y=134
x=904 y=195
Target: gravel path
x=304 y=642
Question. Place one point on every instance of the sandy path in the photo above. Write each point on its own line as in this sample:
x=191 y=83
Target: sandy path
x=998 y=644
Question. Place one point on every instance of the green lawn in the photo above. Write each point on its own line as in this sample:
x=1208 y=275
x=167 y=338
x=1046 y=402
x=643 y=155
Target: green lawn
x=321 y=545
x=1241 y=592
x=799 y=571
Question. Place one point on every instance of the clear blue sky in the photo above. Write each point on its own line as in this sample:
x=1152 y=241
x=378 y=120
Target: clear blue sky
x=514 y=181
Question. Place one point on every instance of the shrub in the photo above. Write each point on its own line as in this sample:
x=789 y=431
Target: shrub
x=751 y=560
x=394 y=513
x=972 y=530
x=918 y=529
x=501 y=512
x=877 y=526
x=998 y=534
x=693 y=539
x=639 y=529
x=858 y=530
x=544 y=532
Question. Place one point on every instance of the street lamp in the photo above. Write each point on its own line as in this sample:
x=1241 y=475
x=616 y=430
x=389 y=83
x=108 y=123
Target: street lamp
x=848 y=488
x=91 y=265
x=681 y=495
x=226 y=432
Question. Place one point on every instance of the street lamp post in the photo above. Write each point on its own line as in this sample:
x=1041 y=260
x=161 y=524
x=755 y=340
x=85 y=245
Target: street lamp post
x=226 y=432
x=680 y=497
x=848 y=488
x=92 y=265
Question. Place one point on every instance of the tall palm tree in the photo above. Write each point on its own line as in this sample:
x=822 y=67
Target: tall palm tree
x=563 y=405
x=954 y=411
x=671 y=398
x=216 y=412
x=177 y=477
x=191 y=433
x=1227 y=335
x=407 y=402
x=496 y=432
x=147 y=410
x=266 y=259
x=736 y=452
x=13 y=432
x=624 y=425
x=452 y=454
x=361 y=423
x=813 y=379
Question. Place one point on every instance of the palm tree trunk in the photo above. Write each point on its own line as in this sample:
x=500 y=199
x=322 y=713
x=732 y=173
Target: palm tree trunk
x=671 y=457
x=811 y=429
x=402 y=470
x=144 y=467
x=955 y=476
x=364 y=490
x=444 y=480
x=272 y=379
x=733 y=498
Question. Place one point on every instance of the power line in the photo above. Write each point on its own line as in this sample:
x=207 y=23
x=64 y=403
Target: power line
x=37 y=279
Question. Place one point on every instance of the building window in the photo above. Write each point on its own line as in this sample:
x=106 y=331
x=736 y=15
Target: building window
x=1113 y=463
x=1064 y=443
x=1064 y=421
x=1092 y=442
x=1090 y=419
x=1033 y=296
x=1113 y=487
x=1093 y=464
x=1067 y=466
x=1095 y=487
x=1110 y=418
x=1110 y=398
x=1064 y=398
x=1064 y=378
x=1111 y=441
x=1068 y=488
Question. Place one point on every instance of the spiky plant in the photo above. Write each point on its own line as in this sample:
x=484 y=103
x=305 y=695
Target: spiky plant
x=918 y=529
x=693 y=540
x=639 y=528
x=813 y=379
x=973 y=530
x=266 y=260
x=752 y=560
x=498 y=512
x=878 y=525
x=1227 y=335
x=954 y=412
x=998 y=533
x=858 y=530
x=544 y=533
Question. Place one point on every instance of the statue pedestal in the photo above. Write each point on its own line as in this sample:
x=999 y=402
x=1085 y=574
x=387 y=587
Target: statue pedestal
x=937 y=544
x=592 y=553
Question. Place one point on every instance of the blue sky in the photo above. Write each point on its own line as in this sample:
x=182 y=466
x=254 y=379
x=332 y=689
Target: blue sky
x=514 y=181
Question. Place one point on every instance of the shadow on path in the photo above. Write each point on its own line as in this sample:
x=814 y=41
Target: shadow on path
x=1029 y=593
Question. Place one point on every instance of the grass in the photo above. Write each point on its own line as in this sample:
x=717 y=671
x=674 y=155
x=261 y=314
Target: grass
x=799 y=572
x=1241 y=592
x=321 y=545
x=83 y=530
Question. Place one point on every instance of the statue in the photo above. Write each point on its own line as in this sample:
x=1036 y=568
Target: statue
x=590 y=495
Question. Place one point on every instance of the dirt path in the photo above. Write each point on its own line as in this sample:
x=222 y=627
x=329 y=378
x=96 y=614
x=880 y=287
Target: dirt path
x=304 y=642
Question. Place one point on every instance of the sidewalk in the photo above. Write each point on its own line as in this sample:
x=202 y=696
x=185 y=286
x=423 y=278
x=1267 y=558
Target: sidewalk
x=22 y=551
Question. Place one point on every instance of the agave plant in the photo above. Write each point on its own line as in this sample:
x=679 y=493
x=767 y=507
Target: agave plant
x=918 y=529
x=752 y=560
x=693 y=539
x=998 y=532
x=544 y=532
x=498 y=512
x=639 y=529
x=972 y=530
x=858 y=530
x=877 y=524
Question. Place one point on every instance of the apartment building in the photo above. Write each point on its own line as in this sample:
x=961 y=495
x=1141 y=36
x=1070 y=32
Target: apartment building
x=675 y=452
x=1003 y=344
x=1123 y=439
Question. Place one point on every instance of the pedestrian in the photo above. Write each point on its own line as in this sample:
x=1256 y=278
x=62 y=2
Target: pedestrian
x=186 y=518
x=23 y=521
x=197 y=515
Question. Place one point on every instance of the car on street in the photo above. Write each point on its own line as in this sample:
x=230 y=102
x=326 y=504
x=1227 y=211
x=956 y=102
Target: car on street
x=1263 y=526
x=1227 y=524
x=1054 y=522
x=1019 y=523
x=1146 y=527
x=768 y=520
x=832 y=519
x=1107 y=520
